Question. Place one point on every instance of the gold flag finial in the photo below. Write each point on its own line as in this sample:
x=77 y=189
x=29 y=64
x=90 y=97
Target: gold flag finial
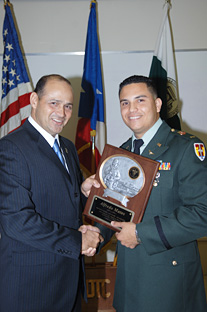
x=6 y=2
x=168 y=2
x=92 y=1
x=93 y=133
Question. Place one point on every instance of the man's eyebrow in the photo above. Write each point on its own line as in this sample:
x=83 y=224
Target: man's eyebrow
x=55 y=100
x=59 y=101
x=140 y=96
x=136 y=97
x=123 y=100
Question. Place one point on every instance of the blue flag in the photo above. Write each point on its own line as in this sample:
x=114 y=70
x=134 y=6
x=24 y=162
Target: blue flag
x=90 y=136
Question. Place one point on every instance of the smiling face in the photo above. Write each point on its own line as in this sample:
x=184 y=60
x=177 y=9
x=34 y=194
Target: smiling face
x=53 y=109
x=139 y=109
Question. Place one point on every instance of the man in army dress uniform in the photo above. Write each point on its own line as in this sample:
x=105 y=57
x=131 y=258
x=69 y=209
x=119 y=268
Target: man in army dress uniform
x=159 y=267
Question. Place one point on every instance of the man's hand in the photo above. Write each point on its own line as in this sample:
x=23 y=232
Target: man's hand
x=90 y=252
x=87 y=185
x=90 y=239
x=127 y=236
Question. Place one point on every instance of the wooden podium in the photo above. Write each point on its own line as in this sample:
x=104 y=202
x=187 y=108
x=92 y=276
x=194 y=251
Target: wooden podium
x=100 y=283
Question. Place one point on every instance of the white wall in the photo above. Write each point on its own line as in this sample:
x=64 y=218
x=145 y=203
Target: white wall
x=60 y=26
x=128 y=31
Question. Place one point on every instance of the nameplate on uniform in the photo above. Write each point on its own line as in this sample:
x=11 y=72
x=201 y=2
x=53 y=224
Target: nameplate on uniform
x=126 y=181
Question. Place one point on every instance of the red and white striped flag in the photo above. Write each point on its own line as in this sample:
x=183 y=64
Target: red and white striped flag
x=16 y=87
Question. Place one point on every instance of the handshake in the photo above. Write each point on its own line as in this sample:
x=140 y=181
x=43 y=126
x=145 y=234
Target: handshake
x=91 y=238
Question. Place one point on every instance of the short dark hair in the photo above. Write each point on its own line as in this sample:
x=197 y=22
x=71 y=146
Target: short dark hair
x=140 y=79
x=40 y=86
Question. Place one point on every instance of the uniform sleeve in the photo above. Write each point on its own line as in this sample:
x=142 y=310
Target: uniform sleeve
x=188 y=221
x=18 y=216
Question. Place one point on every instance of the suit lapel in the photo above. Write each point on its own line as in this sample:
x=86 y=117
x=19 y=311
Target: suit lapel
x=45 y=148
x=49 y=152
x=154 y=152
x=157 y=145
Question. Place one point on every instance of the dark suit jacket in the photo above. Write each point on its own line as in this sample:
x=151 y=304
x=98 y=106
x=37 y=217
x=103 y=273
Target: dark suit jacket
x=164 y=274
x=40 y=212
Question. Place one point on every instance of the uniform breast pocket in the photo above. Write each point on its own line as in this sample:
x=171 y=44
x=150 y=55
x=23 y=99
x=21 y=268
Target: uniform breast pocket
x=166 y=192
x=162 y=196
x=164 y=179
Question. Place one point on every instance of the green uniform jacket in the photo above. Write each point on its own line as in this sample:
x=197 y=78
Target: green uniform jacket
x=163 y=273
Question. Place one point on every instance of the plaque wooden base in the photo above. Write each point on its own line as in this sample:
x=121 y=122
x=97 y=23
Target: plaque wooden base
x=126 y=181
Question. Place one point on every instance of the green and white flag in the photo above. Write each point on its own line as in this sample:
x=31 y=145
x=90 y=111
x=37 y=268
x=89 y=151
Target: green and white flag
x=163 y=72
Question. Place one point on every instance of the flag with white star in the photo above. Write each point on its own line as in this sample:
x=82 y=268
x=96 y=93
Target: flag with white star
x=90 y=135
x=16 y=87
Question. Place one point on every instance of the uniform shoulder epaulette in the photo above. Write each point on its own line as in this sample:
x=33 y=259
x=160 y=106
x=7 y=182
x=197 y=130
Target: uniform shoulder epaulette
x=199 y=147
x=183 y=134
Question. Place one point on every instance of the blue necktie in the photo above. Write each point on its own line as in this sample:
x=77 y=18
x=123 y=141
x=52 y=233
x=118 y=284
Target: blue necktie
x=137 y=144
x=56 y=148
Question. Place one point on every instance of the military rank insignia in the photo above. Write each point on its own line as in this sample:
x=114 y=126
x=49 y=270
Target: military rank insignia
x=200 y=151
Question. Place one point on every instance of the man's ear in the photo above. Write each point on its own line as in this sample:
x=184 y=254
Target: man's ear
x=158 y=103
x=34 y=99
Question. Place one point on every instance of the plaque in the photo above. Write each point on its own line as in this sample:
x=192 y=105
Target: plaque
x=126 y=181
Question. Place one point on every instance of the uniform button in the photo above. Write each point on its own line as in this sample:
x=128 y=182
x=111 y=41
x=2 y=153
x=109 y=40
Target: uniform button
x=76 y=194
x=174 y=262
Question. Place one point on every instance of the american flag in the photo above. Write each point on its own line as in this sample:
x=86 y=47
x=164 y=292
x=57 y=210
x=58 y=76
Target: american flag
x=16 y=87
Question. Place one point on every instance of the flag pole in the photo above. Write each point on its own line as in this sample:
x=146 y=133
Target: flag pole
x=93 y=148
x=93 y=135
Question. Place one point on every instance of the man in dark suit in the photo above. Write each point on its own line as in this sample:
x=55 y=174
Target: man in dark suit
x=41 y=201
x=159 y=267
